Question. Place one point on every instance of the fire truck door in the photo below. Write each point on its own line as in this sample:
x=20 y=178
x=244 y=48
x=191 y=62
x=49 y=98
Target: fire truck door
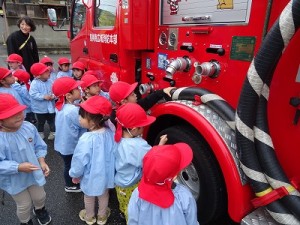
x=103 y=38
x=78 y=31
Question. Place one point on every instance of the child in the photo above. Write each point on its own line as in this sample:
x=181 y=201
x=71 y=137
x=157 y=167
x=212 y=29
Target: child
x=42 y=99
x=23 y=78
x=78 y=70
x=22 y=161
x=68 y=129
x=15 y=62
x=92 y=87
x=93 y=160
x=6 y=82
x=49 y=62
x=131 y=149
x=64 y=68
x=157 y=199
x=122 y=92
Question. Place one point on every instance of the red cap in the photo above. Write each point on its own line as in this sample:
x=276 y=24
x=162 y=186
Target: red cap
x=160 y=165
x=91 y=72
x=9 y=106
x=131 y=115
x=61 y=87
x=88 y=80
x=4 y=72
x=22 y=76
x=14 y=58
x=46 y=59
x=38 y=69
x=63 y=60
x=97 y=105
x=78 y=65
x=121 y=90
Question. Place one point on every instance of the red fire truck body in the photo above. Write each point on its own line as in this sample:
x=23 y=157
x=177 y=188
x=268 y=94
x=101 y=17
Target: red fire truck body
x=197 y=44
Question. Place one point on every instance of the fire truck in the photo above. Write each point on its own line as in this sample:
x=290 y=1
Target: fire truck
x=236 y=71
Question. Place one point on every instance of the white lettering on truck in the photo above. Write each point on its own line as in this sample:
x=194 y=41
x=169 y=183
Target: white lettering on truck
x=104 y=38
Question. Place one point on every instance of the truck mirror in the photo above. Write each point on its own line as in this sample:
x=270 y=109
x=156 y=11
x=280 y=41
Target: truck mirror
x=52 y=19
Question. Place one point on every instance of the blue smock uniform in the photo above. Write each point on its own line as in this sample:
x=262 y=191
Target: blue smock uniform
x=68 y=129
x=93 y=161
x=64 y=74
x=38 y=89
x=24 y=145
x=128 y=160
x=183 y=211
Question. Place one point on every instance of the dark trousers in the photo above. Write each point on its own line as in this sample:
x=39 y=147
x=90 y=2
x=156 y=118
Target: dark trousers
x=30 y=117
x=67 y=165
x=42 y=118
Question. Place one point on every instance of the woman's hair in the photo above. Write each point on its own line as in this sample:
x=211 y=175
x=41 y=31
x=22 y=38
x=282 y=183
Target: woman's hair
x=98 y=119
x=28 y=21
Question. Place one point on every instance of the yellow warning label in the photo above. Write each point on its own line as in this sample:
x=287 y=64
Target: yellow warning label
x=225 y=4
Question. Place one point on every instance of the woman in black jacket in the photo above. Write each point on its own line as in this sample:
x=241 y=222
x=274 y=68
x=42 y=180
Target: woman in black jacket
x=23 y=44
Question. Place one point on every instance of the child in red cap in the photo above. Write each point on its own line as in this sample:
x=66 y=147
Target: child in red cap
x=22 y=161
x=14 y=62
x=121 y=92
x=157 y=199
x=78 y=69
x=93 y=160
x=131 y=120
x=42 y=98
x=68 y=129
x=91 y=86
x=64 y=67
x=8 y=84
x=23 y=79
x=49 y=62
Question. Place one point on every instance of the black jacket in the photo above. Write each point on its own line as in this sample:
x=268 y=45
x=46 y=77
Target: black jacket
x=29 y=52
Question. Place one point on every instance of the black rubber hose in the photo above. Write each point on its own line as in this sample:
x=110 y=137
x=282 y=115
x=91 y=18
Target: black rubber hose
x=219 y=105
x=261 y=69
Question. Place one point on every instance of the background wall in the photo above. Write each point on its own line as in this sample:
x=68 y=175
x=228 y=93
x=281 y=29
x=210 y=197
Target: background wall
x=45 y=36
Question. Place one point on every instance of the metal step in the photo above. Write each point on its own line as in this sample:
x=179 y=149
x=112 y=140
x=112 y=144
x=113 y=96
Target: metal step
x=259 y=217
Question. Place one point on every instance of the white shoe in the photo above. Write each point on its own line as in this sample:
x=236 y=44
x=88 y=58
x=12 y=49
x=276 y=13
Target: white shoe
x=51 y=136
x=42 y=135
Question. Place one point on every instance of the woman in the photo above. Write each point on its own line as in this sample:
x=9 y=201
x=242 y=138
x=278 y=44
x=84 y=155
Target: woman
x=23 y=44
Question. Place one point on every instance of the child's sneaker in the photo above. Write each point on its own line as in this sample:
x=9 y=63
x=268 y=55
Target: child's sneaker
x=82 y=216
x=101 y=220
x=42 y=135
x=28 y=223
x=42 y=216
x=51 y=136
x=75 y=189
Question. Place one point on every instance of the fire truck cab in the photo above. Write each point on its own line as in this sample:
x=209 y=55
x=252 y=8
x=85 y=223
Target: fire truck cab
x=234 y=64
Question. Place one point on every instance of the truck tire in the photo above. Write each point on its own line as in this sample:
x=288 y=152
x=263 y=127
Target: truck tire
x=203 y=177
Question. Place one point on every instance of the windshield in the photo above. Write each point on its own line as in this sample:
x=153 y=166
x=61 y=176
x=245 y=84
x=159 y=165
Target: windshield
x=78 y=17
x=105 y=13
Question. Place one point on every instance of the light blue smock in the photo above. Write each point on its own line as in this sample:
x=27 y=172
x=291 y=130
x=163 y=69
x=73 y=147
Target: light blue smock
x=182 y=212
x=13 y=92
x=38 y=89
x=24 y=94
x=128 y=160
x=64 y=74
x=93 y=161
x=105 y=95
x=24 y=145
x=52 y=76
x=68 y=129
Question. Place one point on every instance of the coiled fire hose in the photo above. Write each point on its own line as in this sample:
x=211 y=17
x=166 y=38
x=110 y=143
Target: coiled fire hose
x=218 y=104
x=254 y=143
